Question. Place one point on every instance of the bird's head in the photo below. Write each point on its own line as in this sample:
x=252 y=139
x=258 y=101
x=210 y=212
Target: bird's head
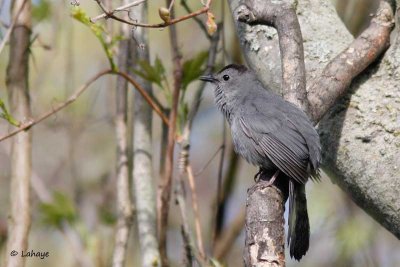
x=228 y=76
x=231 y=85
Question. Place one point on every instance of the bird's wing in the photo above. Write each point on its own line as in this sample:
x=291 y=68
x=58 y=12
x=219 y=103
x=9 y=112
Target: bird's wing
x=279 y=140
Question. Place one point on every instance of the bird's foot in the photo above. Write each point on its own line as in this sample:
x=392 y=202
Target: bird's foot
x=272 y=180
x=258 y=175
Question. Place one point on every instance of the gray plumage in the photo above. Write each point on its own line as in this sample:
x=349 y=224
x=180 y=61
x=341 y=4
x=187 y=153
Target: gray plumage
x=273 y=134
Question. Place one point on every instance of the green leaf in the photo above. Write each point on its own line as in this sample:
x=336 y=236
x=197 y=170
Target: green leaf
x=41 y=10
x=154 y=74
x=6 y=115
x=193 y=68
x=99 y=31
x=107 y=216
x=61 y=209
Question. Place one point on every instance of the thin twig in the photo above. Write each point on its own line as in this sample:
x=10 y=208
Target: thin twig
x=203 y=10
x=196 y=19
x=25 y=126
x=192 y=185
x=199 y=172
x=187 y=243
x=151 y=101
x=118 y=9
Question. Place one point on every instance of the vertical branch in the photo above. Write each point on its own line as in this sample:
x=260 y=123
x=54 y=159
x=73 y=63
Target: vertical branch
x=265 y=233
x=169 y=159
x=18 y=91
x=124 y=204
x=143 y=180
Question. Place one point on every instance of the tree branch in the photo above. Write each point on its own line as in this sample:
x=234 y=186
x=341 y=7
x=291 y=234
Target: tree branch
x=32 y=122
x=282 y=16
x=339 y=73
x=203 y=10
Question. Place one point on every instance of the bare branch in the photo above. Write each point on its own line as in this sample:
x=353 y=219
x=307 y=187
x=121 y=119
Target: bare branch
x=282 y=16
x=203 y=10
x=338 y=74
x=27 y=125
x=196 y=19
x=195 y=205
x=125 y=7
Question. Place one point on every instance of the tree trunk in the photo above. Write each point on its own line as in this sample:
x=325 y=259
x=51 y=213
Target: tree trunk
x=124 y=203
x=143 y=178
x=18 y=90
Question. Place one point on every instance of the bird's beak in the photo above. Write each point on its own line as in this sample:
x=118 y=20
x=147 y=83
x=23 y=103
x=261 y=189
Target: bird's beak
x=208 y=78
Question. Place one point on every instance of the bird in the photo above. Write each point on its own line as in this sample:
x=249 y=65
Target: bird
x=273 y=134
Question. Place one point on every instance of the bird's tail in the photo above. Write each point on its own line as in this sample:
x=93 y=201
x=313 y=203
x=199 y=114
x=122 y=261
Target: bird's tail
x=299 y=227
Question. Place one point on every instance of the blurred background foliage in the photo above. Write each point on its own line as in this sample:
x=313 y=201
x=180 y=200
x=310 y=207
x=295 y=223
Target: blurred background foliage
x=74 y=151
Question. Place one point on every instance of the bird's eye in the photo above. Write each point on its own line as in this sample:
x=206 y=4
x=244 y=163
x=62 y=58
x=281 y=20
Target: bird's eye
x=225 y=77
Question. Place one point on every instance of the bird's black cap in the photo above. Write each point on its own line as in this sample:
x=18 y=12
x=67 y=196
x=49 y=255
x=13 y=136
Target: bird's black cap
x=239 y=68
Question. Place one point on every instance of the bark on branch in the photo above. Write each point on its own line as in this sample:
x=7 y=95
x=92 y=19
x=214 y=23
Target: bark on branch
x=339 y=73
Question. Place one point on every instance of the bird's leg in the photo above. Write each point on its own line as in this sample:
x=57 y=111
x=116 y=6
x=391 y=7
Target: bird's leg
x=257 y=176
x=272 y=180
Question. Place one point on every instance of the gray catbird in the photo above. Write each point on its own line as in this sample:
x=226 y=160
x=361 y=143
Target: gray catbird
x=275 y=135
